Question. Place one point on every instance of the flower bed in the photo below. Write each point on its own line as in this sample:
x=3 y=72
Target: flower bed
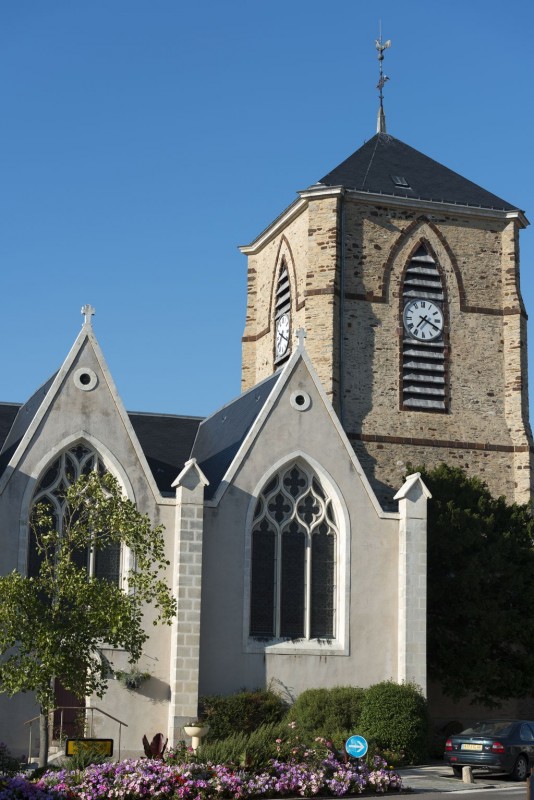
x=135 y=779
x=298 y=770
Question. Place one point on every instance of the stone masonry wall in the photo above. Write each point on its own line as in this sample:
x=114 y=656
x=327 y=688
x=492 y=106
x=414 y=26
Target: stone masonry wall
x=185 y=637
x=309 y=245
x=486 y=427
x=263 y=268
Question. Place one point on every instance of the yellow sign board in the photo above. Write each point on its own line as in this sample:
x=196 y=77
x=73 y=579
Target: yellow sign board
x=104 y=747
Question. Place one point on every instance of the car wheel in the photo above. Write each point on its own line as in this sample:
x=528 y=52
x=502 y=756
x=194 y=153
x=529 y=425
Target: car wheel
x=520 y=770
x=457 y=772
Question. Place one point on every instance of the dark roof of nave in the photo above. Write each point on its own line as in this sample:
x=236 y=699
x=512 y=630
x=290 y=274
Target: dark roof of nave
x=21 y=422
x=8 y=413
x=166 y=441
x=221 y=435
x=375 y=166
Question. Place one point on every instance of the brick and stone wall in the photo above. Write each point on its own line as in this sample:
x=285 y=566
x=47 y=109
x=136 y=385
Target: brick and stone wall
x=355 y=345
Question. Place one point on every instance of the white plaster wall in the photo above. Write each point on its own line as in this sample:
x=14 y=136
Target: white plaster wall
x=94 y=416
x=372 y=586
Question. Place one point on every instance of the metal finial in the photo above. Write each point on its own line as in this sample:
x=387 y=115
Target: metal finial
x=87 y=311
x=381 y=46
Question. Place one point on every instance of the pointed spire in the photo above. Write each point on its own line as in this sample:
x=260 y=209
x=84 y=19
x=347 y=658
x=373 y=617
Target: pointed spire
x=381 y=46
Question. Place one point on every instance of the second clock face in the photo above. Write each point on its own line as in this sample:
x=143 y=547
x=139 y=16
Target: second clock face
x=282 y=335
x=423 y=320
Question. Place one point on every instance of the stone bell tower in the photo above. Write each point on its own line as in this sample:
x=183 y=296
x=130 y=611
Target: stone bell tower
x=405 y=276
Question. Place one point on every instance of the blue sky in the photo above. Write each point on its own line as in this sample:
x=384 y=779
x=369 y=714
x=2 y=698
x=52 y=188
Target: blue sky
x=142 y=141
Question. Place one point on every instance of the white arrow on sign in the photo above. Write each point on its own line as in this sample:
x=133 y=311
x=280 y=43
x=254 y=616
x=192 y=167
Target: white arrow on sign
x=356 y=746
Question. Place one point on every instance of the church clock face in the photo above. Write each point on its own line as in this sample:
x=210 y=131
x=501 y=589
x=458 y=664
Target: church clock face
x=423 y=320
x=282 y=335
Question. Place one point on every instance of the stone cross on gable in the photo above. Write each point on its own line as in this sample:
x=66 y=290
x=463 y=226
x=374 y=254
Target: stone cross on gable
x=301 y=335
x=87 y=311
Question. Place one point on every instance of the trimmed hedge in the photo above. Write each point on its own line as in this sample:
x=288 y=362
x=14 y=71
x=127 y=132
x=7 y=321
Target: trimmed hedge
x=325 y=711
x=241 y=713
x=244 y=726
x=394 y=717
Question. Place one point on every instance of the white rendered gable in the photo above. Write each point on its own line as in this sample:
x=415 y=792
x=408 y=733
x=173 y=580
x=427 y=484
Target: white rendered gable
x=85 y=377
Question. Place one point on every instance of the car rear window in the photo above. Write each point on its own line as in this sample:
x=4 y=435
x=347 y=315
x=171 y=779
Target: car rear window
x=495 y=728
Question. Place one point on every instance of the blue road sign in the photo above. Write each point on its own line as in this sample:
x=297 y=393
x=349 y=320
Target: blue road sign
x=356 y=746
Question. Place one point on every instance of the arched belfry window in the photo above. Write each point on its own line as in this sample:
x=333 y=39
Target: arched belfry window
x=424 y=355
x=282 y=315
x=294 y=558
x=65 y=470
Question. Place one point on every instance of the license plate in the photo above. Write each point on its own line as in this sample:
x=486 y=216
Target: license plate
x=471 y=747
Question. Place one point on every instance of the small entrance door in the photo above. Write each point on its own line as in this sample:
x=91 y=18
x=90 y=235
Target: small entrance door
x=70 y=717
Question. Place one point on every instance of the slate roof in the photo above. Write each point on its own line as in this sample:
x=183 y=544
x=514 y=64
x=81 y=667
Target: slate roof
x=8 y=412
x=166 y=441
x=372 y=168
x=21 y=423
x=220 y=436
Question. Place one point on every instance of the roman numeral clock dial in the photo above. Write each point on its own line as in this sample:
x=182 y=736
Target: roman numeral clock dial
x=423 y=320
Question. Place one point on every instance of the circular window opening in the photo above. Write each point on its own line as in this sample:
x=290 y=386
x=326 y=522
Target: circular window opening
x=300 y=400
x=85 y=379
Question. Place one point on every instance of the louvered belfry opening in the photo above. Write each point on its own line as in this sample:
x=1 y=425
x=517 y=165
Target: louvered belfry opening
x=282 y=300
x=424 y=364
x=283 y=294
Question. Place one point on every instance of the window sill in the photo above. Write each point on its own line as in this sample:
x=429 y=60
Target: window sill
x=304 y=647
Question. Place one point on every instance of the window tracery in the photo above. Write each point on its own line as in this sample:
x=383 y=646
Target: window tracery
x=294 y=555
x=64 y=471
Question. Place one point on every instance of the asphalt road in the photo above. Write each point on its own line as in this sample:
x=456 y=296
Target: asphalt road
x=437 y=780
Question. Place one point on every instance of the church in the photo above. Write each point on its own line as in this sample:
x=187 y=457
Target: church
x=384 y=328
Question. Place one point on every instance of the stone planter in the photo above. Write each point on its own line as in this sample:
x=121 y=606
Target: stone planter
x=196 y=732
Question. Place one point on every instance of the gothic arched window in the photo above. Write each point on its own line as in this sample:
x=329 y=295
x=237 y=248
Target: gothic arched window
x=294 y=556
x=423 y=356
x=65 y=470
x=282 y=315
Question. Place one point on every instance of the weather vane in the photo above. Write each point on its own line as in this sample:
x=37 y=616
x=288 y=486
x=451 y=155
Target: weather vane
x=381 y=46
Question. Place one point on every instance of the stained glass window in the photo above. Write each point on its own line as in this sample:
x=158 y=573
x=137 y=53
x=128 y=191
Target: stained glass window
x=293 y=563
x=65 y=470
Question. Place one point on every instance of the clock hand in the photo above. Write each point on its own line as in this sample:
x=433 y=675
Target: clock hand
x=430 y=323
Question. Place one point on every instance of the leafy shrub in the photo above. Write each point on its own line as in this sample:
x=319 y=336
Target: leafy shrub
x=84 y=756
x=9 y=765
x=327 y=711
x=253 y=750
x=241 y=713
x=394 y=717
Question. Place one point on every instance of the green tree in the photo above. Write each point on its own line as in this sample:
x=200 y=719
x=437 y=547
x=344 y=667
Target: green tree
x=480 y=590
x=53 y=625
